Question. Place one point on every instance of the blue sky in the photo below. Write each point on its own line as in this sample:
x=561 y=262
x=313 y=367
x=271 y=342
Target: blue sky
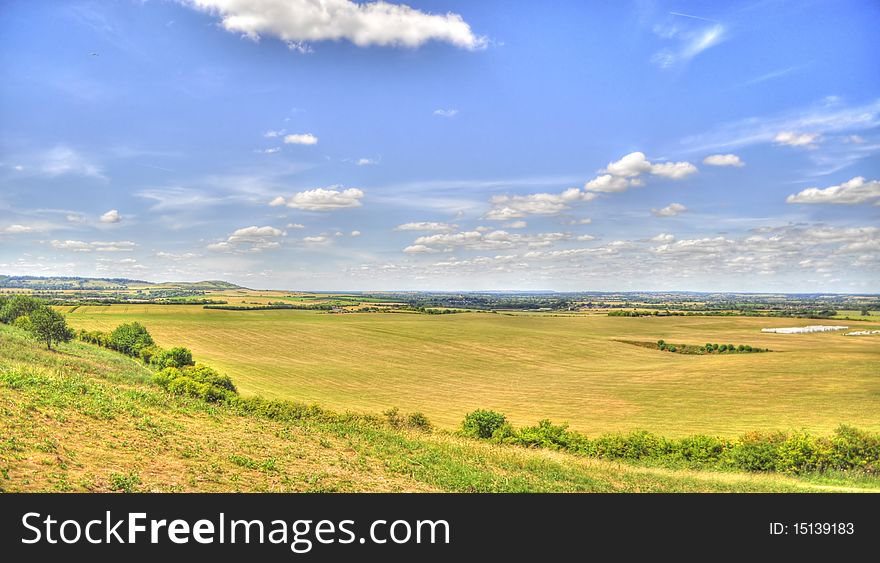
x=444 y=144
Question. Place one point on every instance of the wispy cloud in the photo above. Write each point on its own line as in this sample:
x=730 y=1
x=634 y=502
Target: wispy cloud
x=690 y=41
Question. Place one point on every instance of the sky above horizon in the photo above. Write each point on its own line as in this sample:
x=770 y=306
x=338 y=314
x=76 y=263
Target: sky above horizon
x=444 y=144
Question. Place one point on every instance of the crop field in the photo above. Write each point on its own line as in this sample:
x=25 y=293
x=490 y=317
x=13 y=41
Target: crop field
x=566 y=368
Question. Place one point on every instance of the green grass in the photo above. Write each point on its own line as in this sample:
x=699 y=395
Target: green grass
x=87 y=419
x=565 y=368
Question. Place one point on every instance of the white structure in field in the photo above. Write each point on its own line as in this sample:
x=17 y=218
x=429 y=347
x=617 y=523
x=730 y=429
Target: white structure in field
x=862 y=333
x=804 y=329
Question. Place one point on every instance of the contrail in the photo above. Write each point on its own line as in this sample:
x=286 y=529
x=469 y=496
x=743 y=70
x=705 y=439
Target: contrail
x=693 y=17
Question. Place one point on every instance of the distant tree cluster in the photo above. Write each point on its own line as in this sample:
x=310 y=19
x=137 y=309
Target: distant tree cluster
x=709 y=348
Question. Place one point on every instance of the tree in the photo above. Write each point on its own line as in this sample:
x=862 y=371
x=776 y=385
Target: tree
x=18 y=306
x=48 y=325
x=176 y=357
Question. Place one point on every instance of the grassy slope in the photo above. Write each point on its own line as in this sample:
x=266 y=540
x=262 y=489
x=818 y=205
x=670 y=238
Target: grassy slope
x=568 y=369
x=84 y=418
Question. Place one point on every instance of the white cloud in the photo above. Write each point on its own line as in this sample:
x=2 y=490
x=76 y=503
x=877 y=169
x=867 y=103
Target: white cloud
x=315 y=239
x=692 y=43
x=506 y=207
x=446 y=112
x=272 y=150
x=355 y=234
x=250 y=239
x=339 y=234
x=487 y=239
x=418 y=249
x=516 y=225
x=663 y=237
x=583 y=238
x=301 y=139
x=111 y=216
x=426 y=226
x=854 y=191
x=322 y=199
x=793 y=139
x=723 y=160
x=295 y=226
x=854 y=139
x=366 y=162
x=368 y=23
x=62 y=160
x=817 y=118
x=626 y=173
x=584 y=221
x=97 y=246
x=16 y=229
x=273 y=134
x=670 y=210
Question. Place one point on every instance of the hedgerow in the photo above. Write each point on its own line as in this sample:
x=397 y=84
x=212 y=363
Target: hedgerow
x=847 y=449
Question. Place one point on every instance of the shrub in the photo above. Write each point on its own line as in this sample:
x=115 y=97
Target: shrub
x=419 y=421
x=176 y=357
x=130 y=338
x=196 y=381
x=698 y=449
x=546 y=435
x=851 y=448
x=482 y=423
x=672 y=348
x=392 y=416
x=756 y=451
x=147 y=353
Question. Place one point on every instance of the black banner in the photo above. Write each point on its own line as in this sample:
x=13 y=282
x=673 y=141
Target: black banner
x=406 y=527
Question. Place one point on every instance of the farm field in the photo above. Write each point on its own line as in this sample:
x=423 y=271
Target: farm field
x=87 y=419
x=565 y=368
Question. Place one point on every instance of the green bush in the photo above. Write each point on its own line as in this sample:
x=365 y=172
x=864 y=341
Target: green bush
x=196 y=381
x=130 y=338
x=482 y=423
x=756 y=451
x=176 y=357
x=418 y=421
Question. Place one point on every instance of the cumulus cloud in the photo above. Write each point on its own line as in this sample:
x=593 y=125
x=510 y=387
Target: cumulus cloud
x=355 y=234
x=111 y=216
x=670 y=210
x=96 y=246
x=507 y=207
x=793 y=139
x=315 y=239
x=663 y=237
x=516 y=225
x=584 y=238
x=322 y=199
x=723 y=160
x=852 y=192
x=446 y=112
x=626 y=173
x=366 y=162
x=301 y=139
x=295 y=225
x=250 y=239
x=426 y=226
x=364 y=24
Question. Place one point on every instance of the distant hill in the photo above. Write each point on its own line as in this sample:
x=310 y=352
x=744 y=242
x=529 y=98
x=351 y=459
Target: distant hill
x=39 y=283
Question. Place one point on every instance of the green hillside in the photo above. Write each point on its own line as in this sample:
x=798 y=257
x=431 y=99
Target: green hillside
x=88 y=419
